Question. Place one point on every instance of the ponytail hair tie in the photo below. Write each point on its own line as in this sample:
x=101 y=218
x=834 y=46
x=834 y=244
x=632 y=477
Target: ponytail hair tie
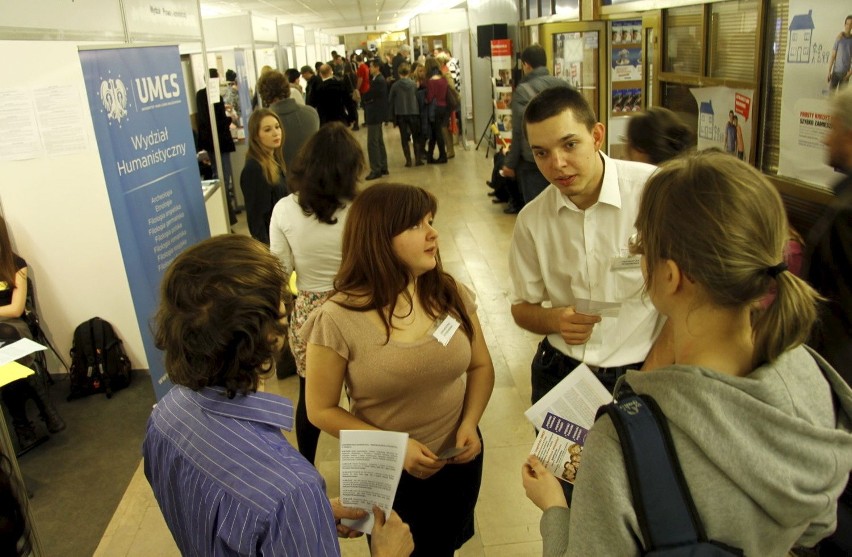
x=776 y=270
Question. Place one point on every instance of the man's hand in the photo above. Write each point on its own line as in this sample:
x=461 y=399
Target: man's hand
x=576 y=328
x=391 y=538
x=339 y=511
x=507 y=172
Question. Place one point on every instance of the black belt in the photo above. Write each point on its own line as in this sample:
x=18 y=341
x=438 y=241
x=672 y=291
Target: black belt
x=548 y=348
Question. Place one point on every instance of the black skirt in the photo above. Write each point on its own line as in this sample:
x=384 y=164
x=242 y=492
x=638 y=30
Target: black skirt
x=439 y=509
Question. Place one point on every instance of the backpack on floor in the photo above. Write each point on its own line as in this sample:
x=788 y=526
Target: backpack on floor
x=670 y=523
x=99 y=363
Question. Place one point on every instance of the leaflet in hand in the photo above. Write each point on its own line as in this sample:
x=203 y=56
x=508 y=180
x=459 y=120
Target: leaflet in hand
x=559 y=446
x=370 y=467
x=563 y=417
x=576 y=399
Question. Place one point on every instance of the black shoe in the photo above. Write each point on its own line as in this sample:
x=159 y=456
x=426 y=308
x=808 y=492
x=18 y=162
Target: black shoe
x=512 y=210
x=373 y=176
x=496 y=200
x=442 y=160
x=385 y=172
x=356 y=127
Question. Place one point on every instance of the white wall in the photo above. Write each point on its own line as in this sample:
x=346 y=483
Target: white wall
x=59 y=215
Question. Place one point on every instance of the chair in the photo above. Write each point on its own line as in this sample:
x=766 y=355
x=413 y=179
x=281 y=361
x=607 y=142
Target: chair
x=31 y=318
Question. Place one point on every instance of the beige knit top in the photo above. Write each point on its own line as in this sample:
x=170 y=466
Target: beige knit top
x=416 y=387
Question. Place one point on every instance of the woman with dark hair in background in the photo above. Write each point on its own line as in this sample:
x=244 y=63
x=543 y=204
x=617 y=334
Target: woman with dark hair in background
x=439 y=115
x=418 y=74
x=13 y=299
x=403 y=336
x=657 y=135
x=262 y=179
x=306 y=233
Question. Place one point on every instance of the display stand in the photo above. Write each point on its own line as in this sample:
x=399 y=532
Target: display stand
x=626 y=81
x=487 y=132
x=502 y=85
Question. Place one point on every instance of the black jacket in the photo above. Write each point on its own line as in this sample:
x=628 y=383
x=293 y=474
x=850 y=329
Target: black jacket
x=205 y=130
x=376 y=101
x=828 y=268
x=330 y=98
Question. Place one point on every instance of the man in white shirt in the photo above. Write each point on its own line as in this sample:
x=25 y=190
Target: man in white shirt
x=572 y=277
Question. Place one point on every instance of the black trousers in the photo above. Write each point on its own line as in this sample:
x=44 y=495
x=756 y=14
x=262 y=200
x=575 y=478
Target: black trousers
x=307 y=434
x=550 y=366
x=439 y=509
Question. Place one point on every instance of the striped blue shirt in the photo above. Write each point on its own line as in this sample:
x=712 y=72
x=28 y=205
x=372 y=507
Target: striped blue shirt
x=227 y=480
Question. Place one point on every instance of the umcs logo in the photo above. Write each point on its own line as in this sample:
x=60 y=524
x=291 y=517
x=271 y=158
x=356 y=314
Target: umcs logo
x=157 y=88
x=114 y=98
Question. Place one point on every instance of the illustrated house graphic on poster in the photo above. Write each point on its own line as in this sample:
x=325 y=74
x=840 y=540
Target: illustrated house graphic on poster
x=705 y=120
x=801 y=34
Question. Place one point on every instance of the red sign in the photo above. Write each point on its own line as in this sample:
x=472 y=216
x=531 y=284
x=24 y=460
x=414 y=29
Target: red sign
x=501 y=47
x=742 y=105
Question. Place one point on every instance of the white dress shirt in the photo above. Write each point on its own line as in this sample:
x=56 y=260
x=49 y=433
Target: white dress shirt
x=565 y=255
x=306 y=245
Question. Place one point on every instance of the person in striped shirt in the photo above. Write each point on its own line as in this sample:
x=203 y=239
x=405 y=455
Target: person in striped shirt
x=225 y=477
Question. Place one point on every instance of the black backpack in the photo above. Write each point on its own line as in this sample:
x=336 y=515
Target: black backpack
x=99 y=363
x=670 y=524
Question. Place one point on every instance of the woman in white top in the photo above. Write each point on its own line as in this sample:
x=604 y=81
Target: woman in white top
x=306 y=234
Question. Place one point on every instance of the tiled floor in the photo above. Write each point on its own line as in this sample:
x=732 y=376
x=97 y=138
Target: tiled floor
x=474 y=239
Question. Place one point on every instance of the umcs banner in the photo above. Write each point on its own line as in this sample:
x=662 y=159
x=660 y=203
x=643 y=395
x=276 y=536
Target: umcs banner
x=139 y=105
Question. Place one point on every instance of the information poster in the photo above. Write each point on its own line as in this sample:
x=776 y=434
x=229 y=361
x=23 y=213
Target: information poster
x=725 y=119
x=501 y=77
x=139 y=105
x=243 y=86
x=568 y=57
x=812 y=31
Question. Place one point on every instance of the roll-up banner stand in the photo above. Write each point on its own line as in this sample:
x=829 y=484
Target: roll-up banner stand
x=139 y=105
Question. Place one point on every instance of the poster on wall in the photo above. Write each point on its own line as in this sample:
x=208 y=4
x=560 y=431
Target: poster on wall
x=243 y=86
x=140 y=113
x=501 y=79
x=813 y=30
x=568 y=57
x=626 y=64
x=725 y=119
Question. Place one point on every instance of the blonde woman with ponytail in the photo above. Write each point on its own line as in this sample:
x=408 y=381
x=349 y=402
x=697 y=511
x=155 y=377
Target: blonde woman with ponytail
x=262 y=180
x=762 y=426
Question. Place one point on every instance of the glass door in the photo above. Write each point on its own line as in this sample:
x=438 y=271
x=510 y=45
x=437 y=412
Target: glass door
x=574 y=54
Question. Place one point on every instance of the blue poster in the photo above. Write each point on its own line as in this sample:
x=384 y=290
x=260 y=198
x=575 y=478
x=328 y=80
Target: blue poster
x=140 y=112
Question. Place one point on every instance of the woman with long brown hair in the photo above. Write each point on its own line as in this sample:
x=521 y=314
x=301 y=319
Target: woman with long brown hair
x=262 y=179
x=306 y=234
x=13 y=299
x=403 y=336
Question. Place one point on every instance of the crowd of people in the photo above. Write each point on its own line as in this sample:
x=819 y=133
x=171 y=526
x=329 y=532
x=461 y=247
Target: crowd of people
x=691 y=248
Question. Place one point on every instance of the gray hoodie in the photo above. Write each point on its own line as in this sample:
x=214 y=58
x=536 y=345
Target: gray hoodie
x=765 y=456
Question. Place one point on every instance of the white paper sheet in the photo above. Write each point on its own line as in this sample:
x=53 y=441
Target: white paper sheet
x=370 y=467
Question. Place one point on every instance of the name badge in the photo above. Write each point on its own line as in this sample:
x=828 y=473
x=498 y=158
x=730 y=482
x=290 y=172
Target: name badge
x=446 y=329
x=627 y=262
